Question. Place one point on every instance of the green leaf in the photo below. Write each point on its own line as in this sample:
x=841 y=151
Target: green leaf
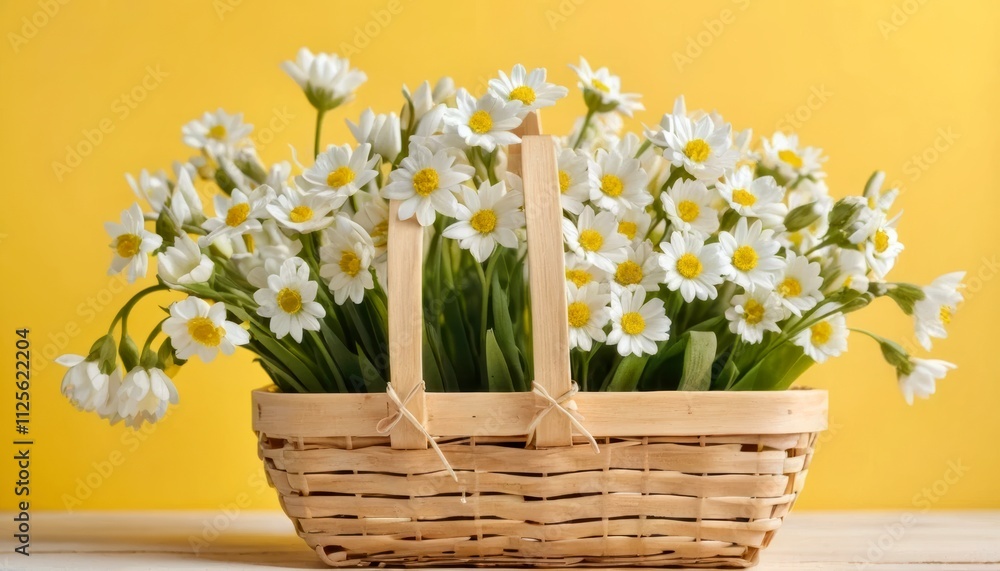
x=300 y=370
x=627 y=374
x=504 y=332
x=728 y=375
x=496 y=366
x=374 y=383
x=781 y=367
x=698 y=358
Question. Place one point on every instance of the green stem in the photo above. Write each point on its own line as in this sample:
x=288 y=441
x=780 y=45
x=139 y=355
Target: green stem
x=583 y=128
x=124 y=311
x=152 y=335
x=319 y=129
x=642 y=148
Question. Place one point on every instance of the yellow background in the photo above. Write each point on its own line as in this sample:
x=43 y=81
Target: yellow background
x=873 y=83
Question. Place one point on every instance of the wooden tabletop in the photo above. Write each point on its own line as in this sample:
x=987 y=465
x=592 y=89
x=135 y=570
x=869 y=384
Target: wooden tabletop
x=231 y=538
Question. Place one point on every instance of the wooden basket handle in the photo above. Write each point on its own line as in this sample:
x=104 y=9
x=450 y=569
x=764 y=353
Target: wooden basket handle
x=535 y=160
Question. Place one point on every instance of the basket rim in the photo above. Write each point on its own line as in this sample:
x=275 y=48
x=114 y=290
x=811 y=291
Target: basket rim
x=605 y=414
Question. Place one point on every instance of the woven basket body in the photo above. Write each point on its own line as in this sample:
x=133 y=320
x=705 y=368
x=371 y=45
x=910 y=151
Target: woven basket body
x=549 y=477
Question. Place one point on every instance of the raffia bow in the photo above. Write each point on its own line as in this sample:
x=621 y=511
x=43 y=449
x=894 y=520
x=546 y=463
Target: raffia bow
x=386 y=425
x=567 y=408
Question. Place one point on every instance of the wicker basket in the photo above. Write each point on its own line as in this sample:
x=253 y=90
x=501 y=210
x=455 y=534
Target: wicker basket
x=544 y=478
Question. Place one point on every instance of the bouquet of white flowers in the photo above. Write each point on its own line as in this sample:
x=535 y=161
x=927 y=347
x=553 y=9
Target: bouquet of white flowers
x=695 y=259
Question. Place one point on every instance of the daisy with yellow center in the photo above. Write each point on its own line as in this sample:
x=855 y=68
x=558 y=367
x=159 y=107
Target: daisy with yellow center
x=340 y=172
x=688 y=206
x=574 y=181
x=131 y=244
x=219 y=133
x=691 y=266
x=759 y=198
x=634 y=224
x=237 y=214
x=617 y=182
x=824 y=339
x=289 y=301
x=701 y=147
x=850 y=270
x=640 y=269
x=602 y=91
x=530 y=89
x=373 y=216
x=883 y=247
x=637 y=326
x=797 y=286
x=486 y=122
x=753 y=312
x=587 y=314
x=197 y=328
x=346 y=260
x=580 y=273
x=749 y=254
x=486 y=218
x=932 y=313
x=300 y=211
x=595 y=238
x=426 y=183
x=783 y=154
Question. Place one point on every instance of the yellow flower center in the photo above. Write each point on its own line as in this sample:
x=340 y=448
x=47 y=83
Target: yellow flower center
x=753 y=312
x=237 y=214
x=791 y=158
x=848 y=281
x=600 y=85
x=127 y=245
x=633 y=323
x=628 y=229
x=945 y=314
x=688 y=210
x=564 y=181
x=425 y=181
x=579 y=277
x=339 y=177
x=742 y=197
x=697 y=150
x=217 y=132
x=524 y=94
x=204 y=331
x=300 y=214
x=579 y=314
x=480 y=122
x=628 y=273
x=790 y=287
x=591 y=240
x=821 y=333
x=380 y=233
x=611 y=185
x=483 y=221
x=745 y=258
x=881 y=240
x=689 y=266
x=350 y=263
x=795 y=238
x=289 y=300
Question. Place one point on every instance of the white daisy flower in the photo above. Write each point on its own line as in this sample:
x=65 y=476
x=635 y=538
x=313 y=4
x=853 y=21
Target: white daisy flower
x=425 y=98
x=824 y=339
x=692 y=267
x=486 y=218
x=185 y=204
x=635 y=326
x=617 y=182
x=878 y=199
x=184 y=263
x=530 y=89
x=851 y=271
x=144 y=395
x=634 y=224
x=882 y=249
x=300 y=211
x=920 y=381
x=270 y=243
x=153 y=187
x=340 y=172
x=346 y=261
x=641 y=268
x=485 y=123
x=327 y=79
x=237 y=214
x=595 y=238
x=602 y=91
x=688 y=205
x=934 y=311
x=373 y=216
x=131 y=244
x=425 y=183
x=196 y=328
x=289 y=300
x=580 y=273
x=782 y=153
x=798 y=284
x=750 y=256
x=701 y=147
x=574 y=182
x=753 y=312
x=86 y=387
x=754 y=197
x=219 y=133
x=380 y=131
x=588 y=313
